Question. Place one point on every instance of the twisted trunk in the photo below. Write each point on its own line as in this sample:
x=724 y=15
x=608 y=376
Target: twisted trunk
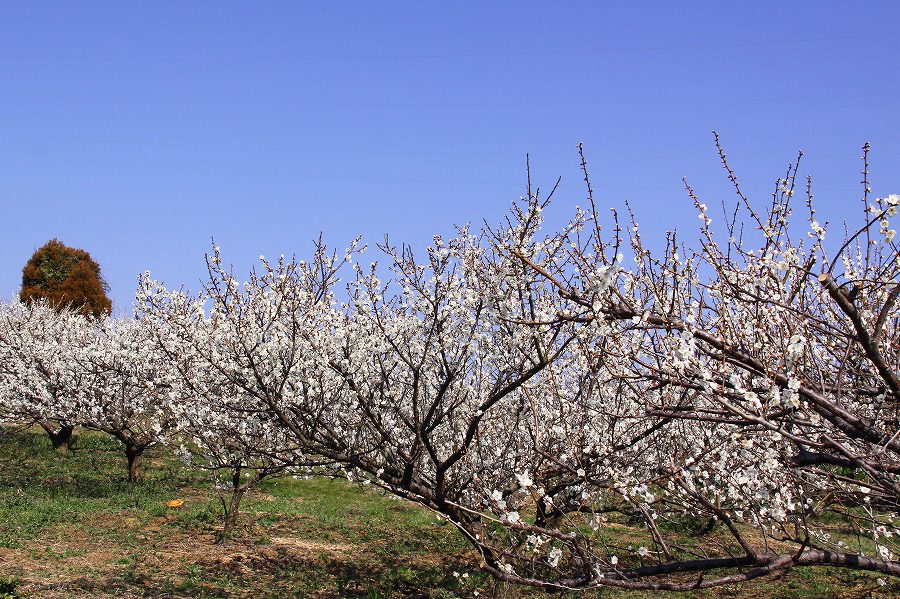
x=60 y=437
x=133 y=453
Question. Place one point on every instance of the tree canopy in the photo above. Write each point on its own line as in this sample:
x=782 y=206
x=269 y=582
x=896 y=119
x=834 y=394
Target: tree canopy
x=65 y=276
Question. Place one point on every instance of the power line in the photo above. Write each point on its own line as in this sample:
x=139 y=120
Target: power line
x=675 y=186
x=444 y=104
x=438 y=55
x=850 y=154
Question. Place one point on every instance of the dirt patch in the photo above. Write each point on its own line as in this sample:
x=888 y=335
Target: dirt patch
x=58 y=563
x=310 y=547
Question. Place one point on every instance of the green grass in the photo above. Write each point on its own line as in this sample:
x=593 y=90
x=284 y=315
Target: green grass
x=71 y=526
x=43 y=489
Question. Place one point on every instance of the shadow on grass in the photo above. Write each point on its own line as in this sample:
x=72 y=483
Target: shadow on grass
x=282 y=575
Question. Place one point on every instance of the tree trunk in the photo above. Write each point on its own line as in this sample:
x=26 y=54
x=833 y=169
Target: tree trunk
x=233 y=503
x=60 y=437
x=133 y=453
x=231 y=512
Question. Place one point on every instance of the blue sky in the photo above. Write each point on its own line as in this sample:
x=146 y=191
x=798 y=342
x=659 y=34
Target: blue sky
x=138 y=131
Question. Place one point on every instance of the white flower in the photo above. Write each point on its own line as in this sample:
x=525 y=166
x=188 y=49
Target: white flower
x=553 y=558
x=524 y=480
x=614 y=560
x=752 y=399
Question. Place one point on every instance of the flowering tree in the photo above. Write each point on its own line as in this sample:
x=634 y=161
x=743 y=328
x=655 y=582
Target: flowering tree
x=574 y=417
x=40 y=379
x=62 y=370
x=235 y=367
x=757 y=383
x=128 y=387
x=239 y=450
x=418 y=390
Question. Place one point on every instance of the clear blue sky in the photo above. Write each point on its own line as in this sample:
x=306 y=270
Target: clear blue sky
x=139 y=130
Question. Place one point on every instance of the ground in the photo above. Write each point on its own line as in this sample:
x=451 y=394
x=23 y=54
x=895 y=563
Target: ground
x=71 y=526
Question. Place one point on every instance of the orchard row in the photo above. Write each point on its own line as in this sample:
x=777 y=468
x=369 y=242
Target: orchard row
x=534 y=388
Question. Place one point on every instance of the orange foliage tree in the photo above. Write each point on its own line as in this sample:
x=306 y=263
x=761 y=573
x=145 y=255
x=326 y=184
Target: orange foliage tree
x=65 y=277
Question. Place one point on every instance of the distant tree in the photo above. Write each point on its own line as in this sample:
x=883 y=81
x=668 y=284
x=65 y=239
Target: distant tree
x=65 y=277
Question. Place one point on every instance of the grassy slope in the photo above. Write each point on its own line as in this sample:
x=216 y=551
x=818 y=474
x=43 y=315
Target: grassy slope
x=71 y=526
